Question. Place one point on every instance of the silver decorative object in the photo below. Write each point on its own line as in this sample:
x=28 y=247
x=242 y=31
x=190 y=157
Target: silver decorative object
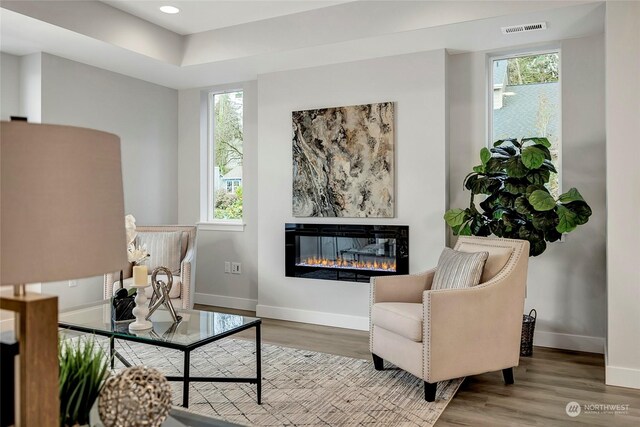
x=136 y=397
x=161 y=293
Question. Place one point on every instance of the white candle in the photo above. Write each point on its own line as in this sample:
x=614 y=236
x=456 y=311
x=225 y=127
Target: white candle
x=140 y=275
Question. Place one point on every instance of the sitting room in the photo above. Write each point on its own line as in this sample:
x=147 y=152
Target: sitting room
x=319 y=213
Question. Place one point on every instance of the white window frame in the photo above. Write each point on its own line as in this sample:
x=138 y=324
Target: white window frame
x=489 y=102
x=209 y=221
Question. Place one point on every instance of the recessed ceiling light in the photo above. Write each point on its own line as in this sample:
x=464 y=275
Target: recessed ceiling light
x=169 y=9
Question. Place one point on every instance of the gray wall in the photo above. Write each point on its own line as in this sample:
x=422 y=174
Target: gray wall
x=623 y=193
x=213 y=286
x=566 y=284
x=416 y=83
x=9 y=86
x=144 y=116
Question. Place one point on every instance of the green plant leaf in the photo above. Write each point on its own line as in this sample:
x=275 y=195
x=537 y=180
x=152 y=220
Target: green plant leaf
x=570 y=196
x=479 y=226
x=534 y=187
x=455 y=217
x=512 y=141
x=467 y=178
x=522 y=206
x=512 y=220
x=567 y=220
x=495 y=166
x=515 y=186
x=489 y=203
x=544 y=220
x=505 y=150
x=581 y=210
x=479 y=169
x=497 y=214
x=548 y=166
x=485 y=155
x=538 y=176
x=505 y=200
x=83 y=367
x=482 y=184
x=537 y=245
x=465 y=231
x=515 y=168
x=532 y=157
x=541 y=141
x=545 y=150
x=552 y=235
x=542 y=200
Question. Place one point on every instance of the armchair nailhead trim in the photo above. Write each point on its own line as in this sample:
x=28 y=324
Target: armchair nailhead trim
x=426 y=335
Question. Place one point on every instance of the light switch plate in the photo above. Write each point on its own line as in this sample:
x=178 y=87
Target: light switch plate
x=227 y=267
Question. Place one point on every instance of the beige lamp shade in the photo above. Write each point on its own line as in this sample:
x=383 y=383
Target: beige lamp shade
x=61 y=203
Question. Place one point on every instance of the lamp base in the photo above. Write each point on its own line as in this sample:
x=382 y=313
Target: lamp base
x=37 y=331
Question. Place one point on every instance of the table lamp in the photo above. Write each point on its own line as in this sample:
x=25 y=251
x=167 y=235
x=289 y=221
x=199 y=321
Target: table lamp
x=62 y=218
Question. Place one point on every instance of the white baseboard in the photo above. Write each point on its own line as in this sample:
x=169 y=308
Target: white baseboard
x=569 y=341
x=314 y=317
x=225 y=301
x=622 y=377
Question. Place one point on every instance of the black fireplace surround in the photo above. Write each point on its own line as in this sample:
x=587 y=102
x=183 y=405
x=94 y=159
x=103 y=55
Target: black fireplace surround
x=352 y=253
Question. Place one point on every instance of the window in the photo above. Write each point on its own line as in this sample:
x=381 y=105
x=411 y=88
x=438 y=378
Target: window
x=225 y=156
x=525 y=99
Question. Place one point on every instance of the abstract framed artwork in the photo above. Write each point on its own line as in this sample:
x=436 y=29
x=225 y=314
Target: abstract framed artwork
x=343 y=161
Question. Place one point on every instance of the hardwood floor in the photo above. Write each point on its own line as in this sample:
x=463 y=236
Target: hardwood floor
x=544 y=383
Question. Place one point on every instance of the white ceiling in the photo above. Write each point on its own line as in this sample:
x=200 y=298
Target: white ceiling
x=205 y=15
x=119 y=42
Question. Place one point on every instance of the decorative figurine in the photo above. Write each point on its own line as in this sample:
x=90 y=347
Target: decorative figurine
x=161 y=293
x=137 y=396
x=122 y=304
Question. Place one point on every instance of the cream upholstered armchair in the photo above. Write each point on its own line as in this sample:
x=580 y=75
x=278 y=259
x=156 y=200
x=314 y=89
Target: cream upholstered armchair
x=443 y=334
x=183 y=288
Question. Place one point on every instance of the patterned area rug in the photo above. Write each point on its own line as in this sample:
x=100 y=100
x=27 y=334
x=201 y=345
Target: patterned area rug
x=299 y=387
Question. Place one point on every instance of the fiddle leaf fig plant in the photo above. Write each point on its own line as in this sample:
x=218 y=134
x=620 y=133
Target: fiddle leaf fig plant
x=513 y=174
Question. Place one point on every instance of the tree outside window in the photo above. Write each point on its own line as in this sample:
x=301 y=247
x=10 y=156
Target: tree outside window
x=526 y=102
x=227 y=155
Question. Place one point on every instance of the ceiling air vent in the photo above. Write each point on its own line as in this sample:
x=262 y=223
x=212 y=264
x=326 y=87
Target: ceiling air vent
x=524 y=28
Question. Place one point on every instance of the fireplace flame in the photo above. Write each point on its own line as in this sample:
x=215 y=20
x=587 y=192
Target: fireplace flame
x=352 y=264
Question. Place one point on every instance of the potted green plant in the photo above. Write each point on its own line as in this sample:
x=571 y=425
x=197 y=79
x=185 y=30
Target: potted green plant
x=83 y=369
x=514 y=175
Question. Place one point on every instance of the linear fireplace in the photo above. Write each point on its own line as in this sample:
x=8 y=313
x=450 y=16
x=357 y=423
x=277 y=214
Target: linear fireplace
x=351 y=253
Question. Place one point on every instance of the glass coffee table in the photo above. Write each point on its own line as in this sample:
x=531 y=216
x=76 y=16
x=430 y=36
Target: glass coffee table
x=197 y=328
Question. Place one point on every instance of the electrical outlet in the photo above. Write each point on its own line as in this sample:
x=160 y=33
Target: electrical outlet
x=73 y=283
x=227 y=267
x=236 y=268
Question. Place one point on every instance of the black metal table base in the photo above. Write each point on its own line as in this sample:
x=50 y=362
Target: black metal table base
x=186 y=379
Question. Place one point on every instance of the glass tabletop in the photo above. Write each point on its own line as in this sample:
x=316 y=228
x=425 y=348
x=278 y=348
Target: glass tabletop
x=196 y=327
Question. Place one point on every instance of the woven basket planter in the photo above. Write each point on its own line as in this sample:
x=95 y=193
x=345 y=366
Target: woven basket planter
x=528 y=327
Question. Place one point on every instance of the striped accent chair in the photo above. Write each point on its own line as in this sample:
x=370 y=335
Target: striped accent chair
x=453 y=332
x=181 y=293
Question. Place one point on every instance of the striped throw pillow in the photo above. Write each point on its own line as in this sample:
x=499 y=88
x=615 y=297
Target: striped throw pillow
x=163 y=248
x=458 y=269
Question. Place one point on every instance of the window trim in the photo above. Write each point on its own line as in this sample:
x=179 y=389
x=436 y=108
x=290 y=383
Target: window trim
x=489 y=93
x=210 y=222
